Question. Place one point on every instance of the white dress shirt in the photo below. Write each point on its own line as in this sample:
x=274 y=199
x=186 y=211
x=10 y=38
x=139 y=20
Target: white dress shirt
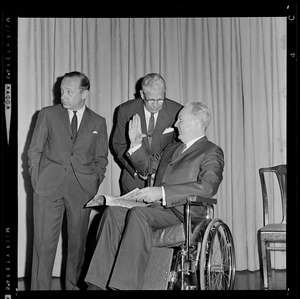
x=147 y=116
x=79 y=115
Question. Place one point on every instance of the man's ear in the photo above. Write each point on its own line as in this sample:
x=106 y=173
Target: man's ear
x=142 y=94
x=85 y=94
x=199 y=123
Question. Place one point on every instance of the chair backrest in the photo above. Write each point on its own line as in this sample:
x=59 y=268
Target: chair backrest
x=280 y=171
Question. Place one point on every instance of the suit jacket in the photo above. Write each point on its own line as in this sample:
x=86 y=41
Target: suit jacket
x=120 y=141
x=52 y=150
x=197 y=171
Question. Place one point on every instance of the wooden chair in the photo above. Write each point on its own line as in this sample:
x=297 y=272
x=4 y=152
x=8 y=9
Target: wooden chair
x=272 y=232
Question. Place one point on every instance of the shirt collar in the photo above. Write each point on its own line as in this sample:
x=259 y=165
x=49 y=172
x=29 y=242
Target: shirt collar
x=79 y=111
x=191 y=142
x=147 y=113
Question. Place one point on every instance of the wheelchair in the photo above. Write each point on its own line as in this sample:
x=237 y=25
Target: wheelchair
x=192 y=256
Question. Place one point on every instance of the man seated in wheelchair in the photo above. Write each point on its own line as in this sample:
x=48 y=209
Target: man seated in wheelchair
x=193 y=166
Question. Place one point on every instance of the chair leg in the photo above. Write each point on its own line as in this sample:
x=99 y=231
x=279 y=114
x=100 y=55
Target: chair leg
x=264 y=263
x=268 y=253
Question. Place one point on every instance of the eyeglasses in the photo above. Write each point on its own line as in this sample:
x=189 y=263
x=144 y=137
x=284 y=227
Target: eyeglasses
x=151 y=101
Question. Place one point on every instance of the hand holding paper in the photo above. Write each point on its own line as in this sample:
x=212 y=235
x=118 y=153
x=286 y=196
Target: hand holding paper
x=128 y=200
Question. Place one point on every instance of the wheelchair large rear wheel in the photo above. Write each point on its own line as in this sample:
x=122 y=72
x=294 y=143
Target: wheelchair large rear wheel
x=217 y=257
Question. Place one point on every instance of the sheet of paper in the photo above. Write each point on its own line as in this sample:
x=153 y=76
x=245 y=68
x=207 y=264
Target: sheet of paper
x=128 y=200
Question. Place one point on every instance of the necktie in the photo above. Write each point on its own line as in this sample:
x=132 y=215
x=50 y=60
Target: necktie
x=74 y=125
x=183 y=148
x=179 y=151
x=150 y=128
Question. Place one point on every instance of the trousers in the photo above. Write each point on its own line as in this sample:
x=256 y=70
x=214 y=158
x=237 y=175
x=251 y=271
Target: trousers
x=48 y=212
x=124 y=245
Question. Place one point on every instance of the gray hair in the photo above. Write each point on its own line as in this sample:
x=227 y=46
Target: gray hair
x=154 y=80
x=201 y=112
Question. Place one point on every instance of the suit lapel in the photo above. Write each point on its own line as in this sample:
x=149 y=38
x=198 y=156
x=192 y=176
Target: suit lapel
x=64 y=116
x=178 y=155
x=85 y=123
x=162 y=119
x=178 y=152
x=85 y=120
x=160 y=125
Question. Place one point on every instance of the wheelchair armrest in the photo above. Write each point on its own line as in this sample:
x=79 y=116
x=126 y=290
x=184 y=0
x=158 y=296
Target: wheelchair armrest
x=199 y=200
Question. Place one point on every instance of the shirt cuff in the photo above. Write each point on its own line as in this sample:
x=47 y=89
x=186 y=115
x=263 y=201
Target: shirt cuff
x=133 y=149
x=164 y=202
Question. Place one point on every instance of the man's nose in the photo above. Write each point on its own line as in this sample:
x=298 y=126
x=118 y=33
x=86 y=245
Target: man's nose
x=155 y=104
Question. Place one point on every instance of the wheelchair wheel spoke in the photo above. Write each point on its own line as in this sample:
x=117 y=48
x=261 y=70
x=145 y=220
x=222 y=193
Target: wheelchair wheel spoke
x=209 y=264
x=219 y=261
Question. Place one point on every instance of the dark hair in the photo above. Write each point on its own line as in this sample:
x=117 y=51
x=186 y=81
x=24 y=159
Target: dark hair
x=84 y=83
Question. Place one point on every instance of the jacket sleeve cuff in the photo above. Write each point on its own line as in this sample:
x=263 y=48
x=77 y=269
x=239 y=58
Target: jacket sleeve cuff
x=133 y=149
x=164 y=201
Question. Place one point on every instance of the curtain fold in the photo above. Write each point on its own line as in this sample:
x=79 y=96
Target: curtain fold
x=237 y=66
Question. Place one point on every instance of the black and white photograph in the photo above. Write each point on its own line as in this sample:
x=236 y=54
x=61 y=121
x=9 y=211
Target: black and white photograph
x=183 y=118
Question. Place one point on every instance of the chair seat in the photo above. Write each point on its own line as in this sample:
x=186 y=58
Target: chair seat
x=175 y=235
x=274 y=227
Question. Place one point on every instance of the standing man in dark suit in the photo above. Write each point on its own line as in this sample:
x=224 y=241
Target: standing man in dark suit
x=67 y=161
x=158 y=115
x=191 y=167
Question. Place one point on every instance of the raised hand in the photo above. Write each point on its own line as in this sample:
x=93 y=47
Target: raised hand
x=135 y=131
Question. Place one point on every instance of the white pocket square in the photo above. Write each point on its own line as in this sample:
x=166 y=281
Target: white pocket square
x=95 y=132
x=168 y=130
